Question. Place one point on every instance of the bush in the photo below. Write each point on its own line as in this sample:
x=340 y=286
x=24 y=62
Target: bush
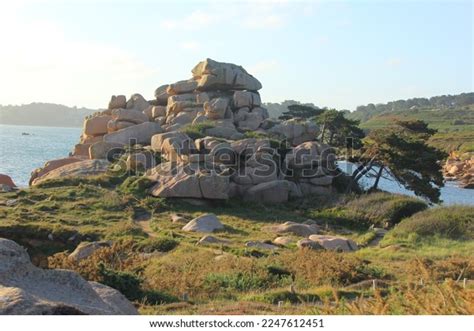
x=456 y=222
x=196 y=131
x=136 y=186
x=117 y=267
x=382 y=209
x=157 y=244
x=126 y=283
x=318 y=268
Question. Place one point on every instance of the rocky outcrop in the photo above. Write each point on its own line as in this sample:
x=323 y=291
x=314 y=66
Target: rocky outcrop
x=188 y=181
x=28 y=290
x=211 y=75
x=461 y=169
x=136 y=134
x=84 y=168
x=296 y=131
x=198 y=126
x=52 y=165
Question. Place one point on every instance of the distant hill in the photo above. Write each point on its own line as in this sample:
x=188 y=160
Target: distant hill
x=451 y=115
x=44 y=114
x=365 y=113
x=276 y=109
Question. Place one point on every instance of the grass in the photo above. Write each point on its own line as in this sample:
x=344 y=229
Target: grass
x=377 y=209
x=197 y=131
x=455 y=223
x=169 y=274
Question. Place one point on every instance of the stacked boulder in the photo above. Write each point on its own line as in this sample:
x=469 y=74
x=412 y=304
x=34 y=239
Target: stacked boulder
x=461 y=169
x=222 y=103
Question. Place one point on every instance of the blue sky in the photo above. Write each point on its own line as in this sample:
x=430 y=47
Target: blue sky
x=336 y=54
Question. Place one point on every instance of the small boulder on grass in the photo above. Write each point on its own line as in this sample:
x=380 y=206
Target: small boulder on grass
x=283 y=241
x=334 y=243
x=212 y=240
x=86 y=249
x=260 y=245
x=179 y=218
x=205 y=223
x=308 y=244
x=298 y=229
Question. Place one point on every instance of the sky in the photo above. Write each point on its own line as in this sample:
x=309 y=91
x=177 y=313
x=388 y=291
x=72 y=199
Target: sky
x=337 y=54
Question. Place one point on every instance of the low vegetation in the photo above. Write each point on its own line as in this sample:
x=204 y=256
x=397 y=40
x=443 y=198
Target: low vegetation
x=163 y=270
x=455 y=223
x=377 y=209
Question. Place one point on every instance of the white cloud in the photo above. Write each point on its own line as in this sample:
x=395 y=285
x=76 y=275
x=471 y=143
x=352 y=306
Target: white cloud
x=264 y=67
x=40 y=63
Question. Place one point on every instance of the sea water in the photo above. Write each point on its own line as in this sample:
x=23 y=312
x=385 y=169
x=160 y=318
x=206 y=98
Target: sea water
x=25 y=148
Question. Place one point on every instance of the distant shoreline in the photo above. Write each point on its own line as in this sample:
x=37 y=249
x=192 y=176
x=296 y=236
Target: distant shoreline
x=42 y=125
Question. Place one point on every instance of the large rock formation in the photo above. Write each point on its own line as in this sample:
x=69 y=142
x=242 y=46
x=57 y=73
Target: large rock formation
x=460 y=168
x=198 y=127
x=28 y=290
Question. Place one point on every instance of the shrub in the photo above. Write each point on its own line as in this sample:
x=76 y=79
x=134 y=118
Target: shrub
x=136 y=186
x=257 y=135
x=126 y=283
x=317 y=268
x=117 y=267
x=382 y=209
x=196 y=131
x=157 y=244
x=456 y=222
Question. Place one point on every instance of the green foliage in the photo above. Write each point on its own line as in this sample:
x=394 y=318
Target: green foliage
x=162 y=244
x=402 y=150
x=101 y=180
x=196 y=131
x=410 y=106
x=455 y=123
x=278 y=271
x=379 y=209
x=315 y=296
x=456 y=223
x=256 y=135
x=130 y=285
x=136 y=186
x=127 y=283
x=301 y=112
x=243 y=281
x=286 y=296
x=339 y=131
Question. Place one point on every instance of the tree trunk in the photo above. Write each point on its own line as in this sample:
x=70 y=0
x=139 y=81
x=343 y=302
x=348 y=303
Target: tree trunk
x=377 y=179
